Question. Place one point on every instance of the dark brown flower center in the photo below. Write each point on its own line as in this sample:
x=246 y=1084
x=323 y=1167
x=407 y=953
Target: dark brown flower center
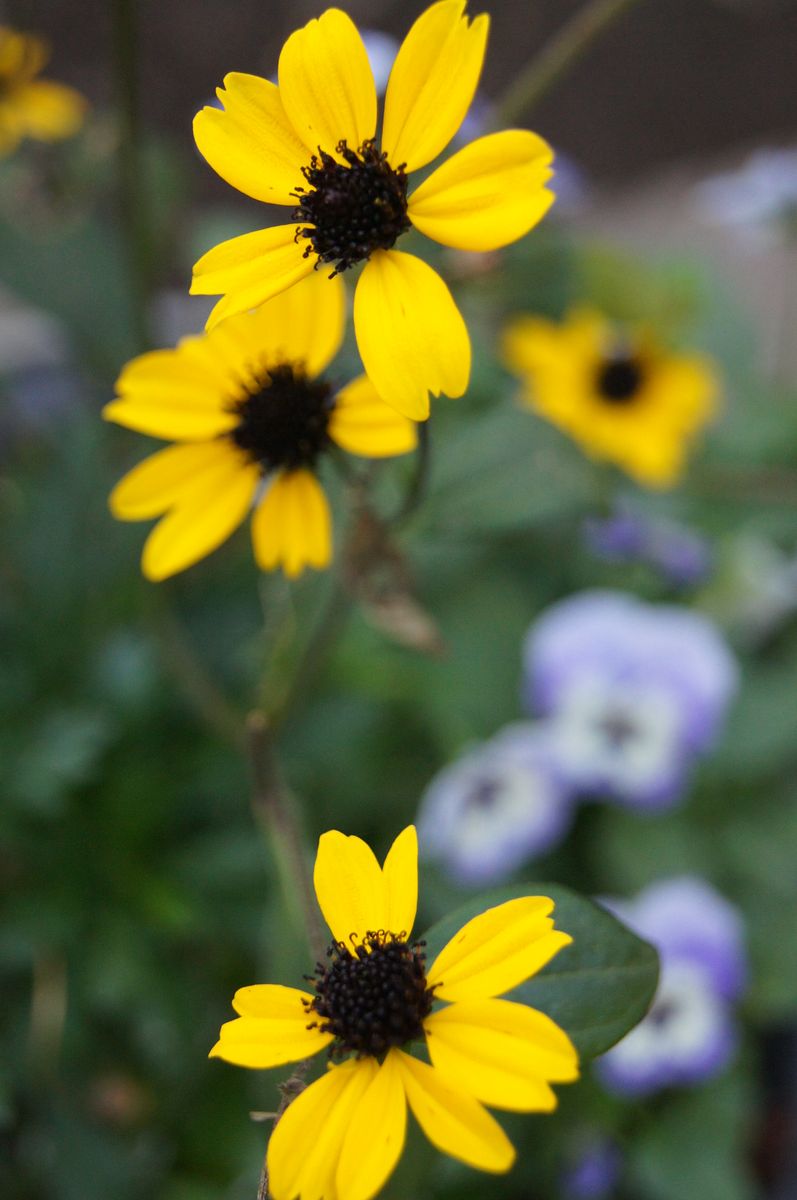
x=372 y=998
x=351 y=208
x=619 y=379
x=285 y=422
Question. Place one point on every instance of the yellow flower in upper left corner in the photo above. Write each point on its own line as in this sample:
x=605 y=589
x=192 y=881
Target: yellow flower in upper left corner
x=31 y=107
x=310 y=144
x=251 y=414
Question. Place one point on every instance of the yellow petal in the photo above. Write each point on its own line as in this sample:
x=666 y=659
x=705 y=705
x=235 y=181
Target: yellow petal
x=497 y=950
x=250 y=269
x=303 y=325
x=505 y=1054
x=273 y=1028
x=486 y=195
x=362 y=423
x=304 y=1149
x=21 y=55
x=175 y=394
x=400 y=876
x=10 y=129
x=272 y=1001
x=375 y=1138
x=349 y=887
x=453 y=1120
x=49 y=111
x=411 y=335
x=160 y=480
x=292 y=526
x=204 y=515
x=433 y=82
x=251 y=143
x=327 y=85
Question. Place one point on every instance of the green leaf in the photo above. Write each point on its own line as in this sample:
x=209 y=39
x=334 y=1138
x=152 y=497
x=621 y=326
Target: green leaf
x=596 y=989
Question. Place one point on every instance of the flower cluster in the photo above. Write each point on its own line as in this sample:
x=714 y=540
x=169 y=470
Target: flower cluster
x=255 y=419
x=689 y=1033
x=627 y=697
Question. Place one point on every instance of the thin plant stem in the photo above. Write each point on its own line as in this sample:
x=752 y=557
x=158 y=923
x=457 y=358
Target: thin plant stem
x=329 y=625
x=213 y=706
x=420 y=477
x=274 y=811
x=557 y=57
x=132 y=177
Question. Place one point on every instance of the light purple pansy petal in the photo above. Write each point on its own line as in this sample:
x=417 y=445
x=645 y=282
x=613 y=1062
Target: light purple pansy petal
x=496 y=807
x=688 y=1036
x=688 y=920
x=621 y=639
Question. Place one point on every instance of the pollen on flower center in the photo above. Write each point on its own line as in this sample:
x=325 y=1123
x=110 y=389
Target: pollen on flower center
x=285 y=422
x=373 y=998
x=619 y=379
x=351 y=208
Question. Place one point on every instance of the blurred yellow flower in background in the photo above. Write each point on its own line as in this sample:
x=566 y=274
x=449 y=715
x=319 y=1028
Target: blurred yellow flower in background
x=310 y=144
x=31 y=107
x=617 y=392
x=372 y=996
x=251 y=414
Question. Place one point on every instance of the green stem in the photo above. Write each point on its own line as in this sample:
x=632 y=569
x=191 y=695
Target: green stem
x=217 y=712
x=420 y=478
x=557 y=57
x=334 y=615
x=131 y=174
x=273 y=809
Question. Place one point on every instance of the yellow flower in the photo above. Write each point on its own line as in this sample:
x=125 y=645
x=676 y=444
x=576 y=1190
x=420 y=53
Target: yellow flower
x=618 y=393
x=31 y=107
x=310 y=144
x=251 y=413
x=371 y=998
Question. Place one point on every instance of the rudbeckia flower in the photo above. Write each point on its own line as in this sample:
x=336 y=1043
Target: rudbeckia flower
x=618 y=393
x=371 y=999
x=251 y=413
x=31 y=107
x=310 y=144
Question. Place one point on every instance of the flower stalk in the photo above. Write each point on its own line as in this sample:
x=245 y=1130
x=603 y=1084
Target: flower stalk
x=558 y=56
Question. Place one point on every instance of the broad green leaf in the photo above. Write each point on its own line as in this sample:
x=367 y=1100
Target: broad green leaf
x=596 y=989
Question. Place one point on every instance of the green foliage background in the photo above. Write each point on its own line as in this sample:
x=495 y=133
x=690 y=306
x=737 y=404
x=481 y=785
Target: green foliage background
x=137 y=893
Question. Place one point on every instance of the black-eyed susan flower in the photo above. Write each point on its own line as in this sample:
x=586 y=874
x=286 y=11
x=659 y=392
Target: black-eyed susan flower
x=373 y=998
x=310 y=144
x=31 y=107
x=251 y=414
x=617 y=392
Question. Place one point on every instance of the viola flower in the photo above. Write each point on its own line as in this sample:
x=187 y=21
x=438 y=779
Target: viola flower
x=31 y=107
x=252 y=415
x=632 y=694
x=690 y=1032
x=617 y=392
x=680 y=555
x=499 y=805
x=310 y=144
x=373 y=997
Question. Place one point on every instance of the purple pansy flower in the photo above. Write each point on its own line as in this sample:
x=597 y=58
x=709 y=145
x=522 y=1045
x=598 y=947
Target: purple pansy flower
x=593 y=1170
x=690 y=1033
x=497 y=806
x=631 y=693
x=679 y=555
